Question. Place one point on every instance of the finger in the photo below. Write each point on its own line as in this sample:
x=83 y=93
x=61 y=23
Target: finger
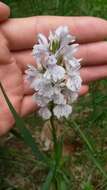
x=84 y=90
x=4 y=11
x=21 y=33
x=29 y=105
x=6 y=117
x=93 y=53
x=93 y=73
x=24 y=58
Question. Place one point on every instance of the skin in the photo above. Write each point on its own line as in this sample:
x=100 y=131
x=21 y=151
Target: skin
x=17 y=36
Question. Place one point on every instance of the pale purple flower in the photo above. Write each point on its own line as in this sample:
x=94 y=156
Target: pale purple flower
x=55 y=73
x=45 y=113
x=40 y=100
x=62 y=110
x=59 y=99
x=74 y=83
x=72 y=65
x=56 y=78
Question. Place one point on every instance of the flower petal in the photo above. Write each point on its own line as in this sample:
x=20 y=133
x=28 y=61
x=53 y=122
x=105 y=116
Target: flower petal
x=42 y=39
x=61 y=31
x=44 y=113
x=51 y=60
x=62 y=111
x=31 y=73
x=57 y=73
x=74 y=83
x=59 y=99
x=72 y=65
x=67 y=39
x=41 y=100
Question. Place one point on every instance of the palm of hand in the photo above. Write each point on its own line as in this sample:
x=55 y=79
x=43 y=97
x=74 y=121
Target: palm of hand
x=12 y=80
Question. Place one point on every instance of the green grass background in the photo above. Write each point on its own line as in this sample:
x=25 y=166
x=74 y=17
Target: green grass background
x=22 y=8
x=17 y=166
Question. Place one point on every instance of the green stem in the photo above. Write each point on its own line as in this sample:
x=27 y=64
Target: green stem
x=54 y=136
x=55 y=144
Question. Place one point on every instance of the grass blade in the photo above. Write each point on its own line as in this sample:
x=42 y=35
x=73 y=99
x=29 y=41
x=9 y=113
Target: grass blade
x=91 y=150
x=88 y=186
x=48 y=182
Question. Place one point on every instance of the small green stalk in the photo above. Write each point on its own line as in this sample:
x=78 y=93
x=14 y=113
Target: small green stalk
x=57 y=155
x=54 y=135
x=55 y=145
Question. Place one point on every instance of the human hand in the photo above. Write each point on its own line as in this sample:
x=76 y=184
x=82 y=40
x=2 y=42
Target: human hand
x=18 y=37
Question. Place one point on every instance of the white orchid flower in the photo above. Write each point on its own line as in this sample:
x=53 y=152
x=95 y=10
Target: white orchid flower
x=40 y=100
x=55 y=73
x=59 y=99
x=45 y=113
x=74 y=83
x=72 y=65
x=56 y=76
x=62 y=110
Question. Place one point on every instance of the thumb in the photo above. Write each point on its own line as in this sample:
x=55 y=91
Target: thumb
x=4 y=11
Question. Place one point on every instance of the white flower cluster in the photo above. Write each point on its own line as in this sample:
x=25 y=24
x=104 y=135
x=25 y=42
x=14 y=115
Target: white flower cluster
x=56 y=77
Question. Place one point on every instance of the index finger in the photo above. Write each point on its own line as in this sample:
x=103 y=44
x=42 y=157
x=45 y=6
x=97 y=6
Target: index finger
x=21 y=33
x=4 y=11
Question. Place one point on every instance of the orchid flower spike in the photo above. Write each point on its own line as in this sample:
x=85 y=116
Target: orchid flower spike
x=56 y=75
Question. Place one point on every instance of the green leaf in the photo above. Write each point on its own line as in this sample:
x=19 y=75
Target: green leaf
x=25 y=133
x=48 y=182
x=64 y=176
x=88 y=186
x=59 y=150
x=62 y=183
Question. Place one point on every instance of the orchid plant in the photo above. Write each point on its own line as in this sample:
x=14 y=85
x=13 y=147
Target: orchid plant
x=55 y=79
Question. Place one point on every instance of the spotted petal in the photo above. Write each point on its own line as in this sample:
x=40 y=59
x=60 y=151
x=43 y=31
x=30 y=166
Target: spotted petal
x=74 y=83
x=62 y=111
x=44 y=113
